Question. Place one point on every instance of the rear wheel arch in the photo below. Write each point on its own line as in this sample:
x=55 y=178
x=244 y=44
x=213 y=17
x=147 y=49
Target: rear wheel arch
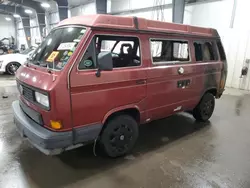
x=212 y=91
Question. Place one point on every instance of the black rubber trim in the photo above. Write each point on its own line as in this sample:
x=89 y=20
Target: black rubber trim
x=136 y=23
x=151 y=32
x=86 y=133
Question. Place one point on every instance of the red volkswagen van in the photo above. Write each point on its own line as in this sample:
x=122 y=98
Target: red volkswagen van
x=96 y=78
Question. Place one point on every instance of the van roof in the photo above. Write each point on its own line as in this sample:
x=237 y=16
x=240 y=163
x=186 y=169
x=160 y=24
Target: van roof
x=137 y=24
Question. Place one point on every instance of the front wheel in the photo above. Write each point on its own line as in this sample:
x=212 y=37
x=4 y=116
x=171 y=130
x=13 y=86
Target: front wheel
x=119 y=136
x=12 y=67
x=204 y=110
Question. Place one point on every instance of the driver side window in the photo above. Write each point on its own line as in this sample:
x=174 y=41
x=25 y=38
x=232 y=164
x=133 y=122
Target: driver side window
x=124 y=50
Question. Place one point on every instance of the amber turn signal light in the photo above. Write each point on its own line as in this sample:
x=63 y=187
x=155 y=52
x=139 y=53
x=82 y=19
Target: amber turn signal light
x=56 y=124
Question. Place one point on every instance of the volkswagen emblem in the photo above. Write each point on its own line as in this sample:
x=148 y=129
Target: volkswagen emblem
x=21 y=89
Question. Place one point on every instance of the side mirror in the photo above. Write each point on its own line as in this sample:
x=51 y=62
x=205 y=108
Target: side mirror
x=105 y=62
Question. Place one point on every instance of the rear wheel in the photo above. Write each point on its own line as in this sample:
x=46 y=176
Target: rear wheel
x=204 y=110
x=12 y=67
x=119 y=136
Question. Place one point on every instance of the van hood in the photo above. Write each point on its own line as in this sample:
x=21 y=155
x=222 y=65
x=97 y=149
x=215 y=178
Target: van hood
x=37 y=78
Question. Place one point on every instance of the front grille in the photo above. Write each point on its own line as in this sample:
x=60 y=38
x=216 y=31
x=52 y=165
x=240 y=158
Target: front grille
x=28 y=93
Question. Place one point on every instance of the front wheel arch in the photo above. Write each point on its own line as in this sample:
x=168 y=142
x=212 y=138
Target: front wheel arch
x=131 y=111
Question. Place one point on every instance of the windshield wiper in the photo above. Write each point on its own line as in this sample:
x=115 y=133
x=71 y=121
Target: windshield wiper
x=43 y=64
x=37 y=63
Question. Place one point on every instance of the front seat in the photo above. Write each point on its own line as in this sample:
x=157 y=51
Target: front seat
x=126 y=58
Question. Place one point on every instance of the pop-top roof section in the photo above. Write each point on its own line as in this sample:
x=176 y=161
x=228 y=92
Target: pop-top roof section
x=132 y=23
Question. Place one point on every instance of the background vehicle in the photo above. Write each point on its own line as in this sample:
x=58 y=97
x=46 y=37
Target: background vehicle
x=8 y=47
x=9 y=63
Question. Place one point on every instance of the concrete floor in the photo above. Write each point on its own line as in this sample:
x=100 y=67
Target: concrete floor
x=173 y=152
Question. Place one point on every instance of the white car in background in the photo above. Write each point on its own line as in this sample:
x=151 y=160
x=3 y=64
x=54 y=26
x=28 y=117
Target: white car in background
x=9 y=63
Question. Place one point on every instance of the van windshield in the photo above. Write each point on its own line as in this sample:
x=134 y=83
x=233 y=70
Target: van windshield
x=55 y=51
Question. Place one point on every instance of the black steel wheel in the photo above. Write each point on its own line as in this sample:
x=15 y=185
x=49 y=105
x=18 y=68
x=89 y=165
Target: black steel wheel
x=12 y=67
x=204 y=110
x=119 y=136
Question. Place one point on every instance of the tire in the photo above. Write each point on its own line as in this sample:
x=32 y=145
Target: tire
x=204 y=110
x=12 y=67
x=119 y=136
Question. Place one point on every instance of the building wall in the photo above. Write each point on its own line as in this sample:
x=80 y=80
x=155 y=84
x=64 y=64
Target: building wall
x=7 y=27
x=53 y=19
x=35 y=31
x=121 y=5
x=83 y=9
x=21 y=38
x=213 y=14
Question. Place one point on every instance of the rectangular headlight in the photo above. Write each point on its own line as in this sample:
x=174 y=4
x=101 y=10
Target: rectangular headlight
x=42 y=99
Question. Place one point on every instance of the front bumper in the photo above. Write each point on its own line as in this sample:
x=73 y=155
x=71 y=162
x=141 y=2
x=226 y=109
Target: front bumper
x=49 y=142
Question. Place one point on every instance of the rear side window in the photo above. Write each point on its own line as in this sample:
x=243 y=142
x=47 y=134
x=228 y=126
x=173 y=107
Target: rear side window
x=205 y=51
x=221 y=51
x=163 y=51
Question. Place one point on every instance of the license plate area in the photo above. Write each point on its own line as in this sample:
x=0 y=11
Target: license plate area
x=37 y=117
